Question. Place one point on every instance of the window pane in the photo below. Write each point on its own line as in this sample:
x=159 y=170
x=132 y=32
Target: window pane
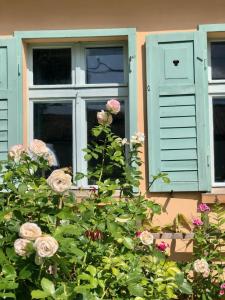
x=52 y=66
x=105 y=65
x=218 y=60
x=118 y=127
x=53 y=125
x=219 y=138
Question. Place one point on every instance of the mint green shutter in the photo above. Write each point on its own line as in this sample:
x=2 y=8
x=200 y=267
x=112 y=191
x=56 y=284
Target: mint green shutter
x=9 y=127
x=178 y=111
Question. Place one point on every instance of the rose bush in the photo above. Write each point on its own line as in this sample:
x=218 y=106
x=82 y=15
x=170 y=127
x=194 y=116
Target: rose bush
x=54 y=246
x=206 y=271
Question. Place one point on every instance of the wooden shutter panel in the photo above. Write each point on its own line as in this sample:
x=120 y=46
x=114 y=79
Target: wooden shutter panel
x=9 y=127
x=178 y=111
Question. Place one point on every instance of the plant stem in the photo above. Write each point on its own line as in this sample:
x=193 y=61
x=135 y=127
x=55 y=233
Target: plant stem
x=103 y=159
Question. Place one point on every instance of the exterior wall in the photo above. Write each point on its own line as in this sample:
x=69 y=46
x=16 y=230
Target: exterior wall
x=147 y=16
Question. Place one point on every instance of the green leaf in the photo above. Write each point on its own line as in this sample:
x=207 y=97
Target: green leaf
x=48 y=286
x=156 y=208
x=128 y=243
x=92 y=270
x=136 y=290
x=185 y=288
x=7 y=295
x=7 y=285
x=9 y=272
x=38 y=294
x=22 y=188
x=87 y=156
x=179 y=278
x=25 y=273
x=79 y=176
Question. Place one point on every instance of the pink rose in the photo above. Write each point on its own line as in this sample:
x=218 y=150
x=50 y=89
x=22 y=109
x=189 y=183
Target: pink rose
x=222 y=286
x=203 y=207
x=138 y=233
x=162 y=246
x=104 y=118
x=113 y=106
x=221 y=293
x=197 y=222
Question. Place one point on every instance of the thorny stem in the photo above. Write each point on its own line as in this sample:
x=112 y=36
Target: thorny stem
x=103 y=159
x=60 y=206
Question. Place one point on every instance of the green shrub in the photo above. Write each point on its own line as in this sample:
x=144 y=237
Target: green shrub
x=54 y=246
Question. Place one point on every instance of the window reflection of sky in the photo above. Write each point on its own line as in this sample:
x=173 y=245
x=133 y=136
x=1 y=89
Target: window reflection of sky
x=105 y=65
x=218 y=60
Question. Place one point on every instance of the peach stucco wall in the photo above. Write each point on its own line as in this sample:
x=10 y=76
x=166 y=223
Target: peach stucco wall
x=147 y=16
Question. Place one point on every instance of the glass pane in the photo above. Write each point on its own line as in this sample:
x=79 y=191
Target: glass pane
x=105 y=65
x=118 y=127
x=52 y=66
x=218 y=60
x=219 y=138
x=53 y=125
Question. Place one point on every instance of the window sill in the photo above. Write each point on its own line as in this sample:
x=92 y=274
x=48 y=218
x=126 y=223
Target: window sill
x=215 y=196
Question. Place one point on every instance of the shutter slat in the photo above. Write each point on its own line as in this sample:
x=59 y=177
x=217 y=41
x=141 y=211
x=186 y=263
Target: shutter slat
x=180 y=111
x=177 y=122
x=4 y=114
x=3 y=125
x=179 y=154
x=178 y=133
x=3 y=155
x=179 y=165
x=183 y=176
x=178 y=143
x=3 y=136
x=3 y=104
x=3 y=146
x=177 y=100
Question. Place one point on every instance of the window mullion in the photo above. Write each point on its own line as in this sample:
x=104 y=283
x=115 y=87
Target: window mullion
x=81 y=137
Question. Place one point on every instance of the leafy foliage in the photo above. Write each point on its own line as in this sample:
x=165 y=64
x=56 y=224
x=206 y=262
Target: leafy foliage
x=100 y=255
x=209 y=241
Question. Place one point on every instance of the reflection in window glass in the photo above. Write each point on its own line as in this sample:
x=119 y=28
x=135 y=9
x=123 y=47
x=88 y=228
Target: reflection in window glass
x=118 y=127
x=219 y=138
x=218 y=60
x=52 y=66
x=104 y=65
x=53 y=125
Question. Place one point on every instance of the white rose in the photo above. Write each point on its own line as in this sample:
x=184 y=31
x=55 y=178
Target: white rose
x=138 y=138
x=104 y=118
x=201 y=266
x=146 y=238
x=46 y=246
x=20 y=246
x=51 y=159
x=38 y=148
x=59 y=181
x=30 y=231
x=16 y=151
x=206 y=273
x=124 y=141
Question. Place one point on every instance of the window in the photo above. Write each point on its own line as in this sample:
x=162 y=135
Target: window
x=217 y=110
x=68 y=84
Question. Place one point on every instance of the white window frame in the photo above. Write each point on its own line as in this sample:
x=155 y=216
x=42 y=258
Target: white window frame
x=79 y=93
x=216 y=89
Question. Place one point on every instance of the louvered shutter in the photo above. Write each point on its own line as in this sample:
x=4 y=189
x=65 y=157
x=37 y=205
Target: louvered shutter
x=9 y=127
x=178 y=111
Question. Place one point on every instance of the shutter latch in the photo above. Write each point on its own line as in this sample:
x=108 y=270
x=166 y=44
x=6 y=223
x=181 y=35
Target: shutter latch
x=130 y=59
x=148 y=88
